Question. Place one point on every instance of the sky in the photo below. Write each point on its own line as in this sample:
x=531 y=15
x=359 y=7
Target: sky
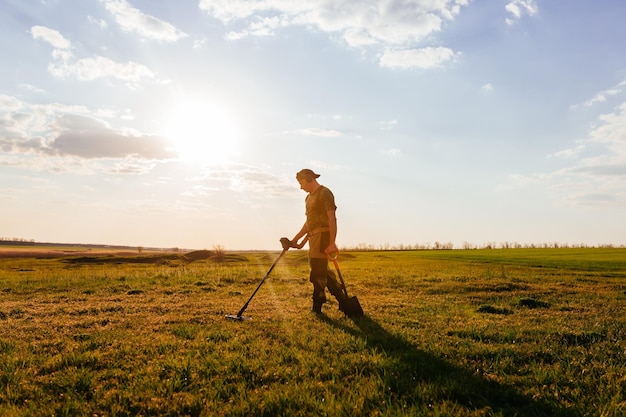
x=181 y=124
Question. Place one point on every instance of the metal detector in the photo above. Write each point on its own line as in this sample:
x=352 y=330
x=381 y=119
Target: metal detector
x=239 y=316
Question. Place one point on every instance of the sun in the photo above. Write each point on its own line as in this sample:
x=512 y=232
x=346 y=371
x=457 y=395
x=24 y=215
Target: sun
x=201 y=132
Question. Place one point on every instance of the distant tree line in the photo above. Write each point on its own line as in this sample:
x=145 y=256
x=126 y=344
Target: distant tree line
x=472 y=246
x=364 y=246
x=16 y=241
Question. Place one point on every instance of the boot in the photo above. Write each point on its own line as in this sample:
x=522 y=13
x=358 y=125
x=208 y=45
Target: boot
x=317 y=308
x=319 y=298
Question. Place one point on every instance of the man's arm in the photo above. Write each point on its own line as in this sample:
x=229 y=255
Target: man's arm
x=332 y=225
x=303 y=231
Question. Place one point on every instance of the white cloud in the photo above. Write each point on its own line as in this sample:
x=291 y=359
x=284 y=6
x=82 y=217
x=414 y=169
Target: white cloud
x=86 y=137
x=51 y=36
x=71 y=131
x=487 y=87
x=519 y=8
x=8 y=103
x=359 y=38
x=416 y=58
x=132 y=19
x=88 y=69
x=367 y=23
x=64 y=63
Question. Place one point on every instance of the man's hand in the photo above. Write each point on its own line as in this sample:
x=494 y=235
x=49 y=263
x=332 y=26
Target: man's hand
x=286 y=243
x=332 y=249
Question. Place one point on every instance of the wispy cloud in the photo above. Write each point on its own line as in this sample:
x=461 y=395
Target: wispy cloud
x=134 y=20
x=596 y=166
x=249 y=179
x=393 y=152
x=395 y=27
x=417 y=58
x=388 y=124
x=603 y=96
x=31 y=88
x=101 y=23
x=315 y=131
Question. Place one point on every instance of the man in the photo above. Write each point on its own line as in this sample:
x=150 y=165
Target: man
x=320 y=229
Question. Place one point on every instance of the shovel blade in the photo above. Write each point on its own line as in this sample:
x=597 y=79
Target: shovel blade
x=351 y=307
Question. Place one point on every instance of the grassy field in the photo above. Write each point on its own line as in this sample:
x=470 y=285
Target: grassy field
x=519 y=332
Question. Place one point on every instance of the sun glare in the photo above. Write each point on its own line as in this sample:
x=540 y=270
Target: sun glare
x=201 y=132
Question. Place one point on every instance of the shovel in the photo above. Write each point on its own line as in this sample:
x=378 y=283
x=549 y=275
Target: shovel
x=351 y=306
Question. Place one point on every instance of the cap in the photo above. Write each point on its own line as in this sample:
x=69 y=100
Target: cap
x=306 y=174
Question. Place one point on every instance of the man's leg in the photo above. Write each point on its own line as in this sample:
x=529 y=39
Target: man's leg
x=319 y=265
x=335 y=288
x=318 y=278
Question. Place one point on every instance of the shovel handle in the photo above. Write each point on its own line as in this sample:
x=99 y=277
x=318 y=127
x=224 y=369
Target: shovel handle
x=334 y=260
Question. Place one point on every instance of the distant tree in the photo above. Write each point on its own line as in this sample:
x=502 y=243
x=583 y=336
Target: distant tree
x=219 y=254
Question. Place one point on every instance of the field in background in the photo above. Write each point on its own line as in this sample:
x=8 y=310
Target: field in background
x=464 y=332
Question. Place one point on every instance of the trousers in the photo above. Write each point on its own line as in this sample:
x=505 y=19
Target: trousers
x=321 y=276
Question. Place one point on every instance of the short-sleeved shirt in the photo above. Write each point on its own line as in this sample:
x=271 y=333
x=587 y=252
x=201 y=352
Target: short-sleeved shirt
x=318 y=203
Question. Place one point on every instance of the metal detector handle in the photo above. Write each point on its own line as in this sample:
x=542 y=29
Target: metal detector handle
x=245 y=306
x=334 y=260
x=286 y=243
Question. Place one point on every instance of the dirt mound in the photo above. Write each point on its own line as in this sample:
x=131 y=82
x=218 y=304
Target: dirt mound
x=215 y=256
x=199 y=255
x=118 y=260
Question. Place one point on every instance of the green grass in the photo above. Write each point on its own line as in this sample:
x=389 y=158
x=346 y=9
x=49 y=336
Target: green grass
x=520 y=332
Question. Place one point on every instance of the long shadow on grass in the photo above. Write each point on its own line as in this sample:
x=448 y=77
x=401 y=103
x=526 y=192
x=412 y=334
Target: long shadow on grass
x=448 y=382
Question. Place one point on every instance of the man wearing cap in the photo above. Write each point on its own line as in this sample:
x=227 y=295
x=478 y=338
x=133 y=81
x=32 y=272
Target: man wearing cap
x=320 y=229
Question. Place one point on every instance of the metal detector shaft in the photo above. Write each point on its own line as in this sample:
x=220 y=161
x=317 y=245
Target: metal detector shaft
x=245 y=306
